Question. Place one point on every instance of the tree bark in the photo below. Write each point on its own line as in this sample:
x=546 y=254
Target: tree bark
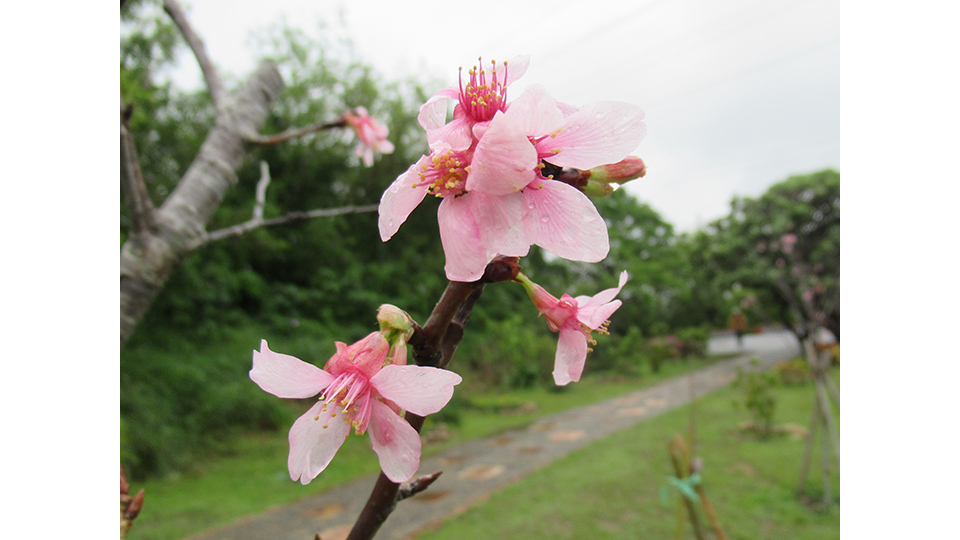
x=148 y=257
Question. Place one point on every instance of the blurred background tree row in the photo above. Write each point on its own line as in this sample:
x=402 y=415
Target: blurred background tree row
x=184 y=383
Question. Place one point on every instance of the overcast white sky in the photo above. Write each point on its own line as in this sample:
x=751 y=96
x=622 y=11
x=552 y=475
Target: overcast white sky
x=738 y=94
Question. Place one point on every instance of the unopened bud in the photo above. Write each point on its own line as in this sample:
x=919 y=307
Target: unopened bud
x=133 y=509
x=124 y=486
x=597 y=189
x=393 y=318
x=620 y=172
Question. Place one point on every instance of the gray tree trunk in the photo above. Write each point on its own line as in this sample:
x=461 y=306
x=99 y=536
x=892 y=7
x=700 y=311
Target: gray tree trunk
x=173 y=231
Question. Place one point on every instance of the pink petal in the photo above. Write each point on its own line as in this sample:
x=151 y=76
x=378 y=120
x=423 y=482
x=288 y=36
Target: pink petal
x=367 y=355
x=600 y=133
x=566 y=109
x=311 y=445
x=504 y=161
x=603 y=297
x=433 y=113
x=457 y=134
x=595 y=316
x=564 y=221
x=571 y=356
x=286 y=376
x=460 y=236
x=397 y=444
x=535 y=112
x=399 y=200
x=516 y=67
x=499 y=222
x=418 y=389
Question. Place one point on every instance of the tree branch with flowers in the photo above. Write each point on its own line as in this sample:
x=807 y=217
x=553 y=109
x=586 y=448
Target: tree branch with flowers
x=510 y=175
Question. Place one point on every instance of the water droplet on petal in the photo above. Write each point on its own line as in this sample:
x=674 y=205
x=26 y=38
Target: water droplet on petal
x=545 y=219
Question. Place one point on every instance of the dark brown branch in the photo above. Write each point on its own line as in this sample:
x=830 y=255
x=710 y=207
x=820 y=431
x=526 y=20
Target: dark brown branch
x=214 y=84
x=294 y=133
x=426 y=341
x=137 y=198
x=451 y=339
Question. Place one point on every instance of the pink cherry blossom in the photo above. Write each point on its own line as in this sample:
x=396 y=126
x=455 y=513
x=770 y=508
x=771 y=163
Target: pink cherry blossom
x=575 y=319
x=477 y=102
x=372 y=135
x=788 y=241
x=358 y=391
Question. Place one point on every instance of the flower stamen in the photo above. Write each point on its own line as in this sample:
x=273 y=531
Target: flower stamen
x=479 y=99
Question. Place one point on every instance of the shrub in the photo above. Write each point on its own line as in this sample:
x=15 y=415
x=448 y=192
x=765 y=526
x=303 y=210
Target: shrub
x=758 y=398
x=694 y=341
x=618 y=354
x=661 y=349
x=509 y=353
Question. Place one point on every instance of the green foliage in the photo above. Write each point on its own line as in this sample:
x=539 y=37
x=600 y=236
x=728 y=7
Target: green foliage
x=184 y=384
x=619 y=354
x=757 y=388
x=661 y=349
x=179 y=400
x=694 y=340
x=509 y=353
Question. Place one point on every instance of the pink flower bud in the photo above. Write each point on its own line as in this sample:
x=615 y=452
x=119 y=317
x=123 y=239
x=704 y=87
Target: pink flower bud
x=620 y=172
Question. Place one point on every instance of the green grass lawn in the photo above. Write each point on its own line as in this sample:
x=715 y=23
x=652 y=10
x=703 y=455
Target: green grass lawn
x=253 y=476
x=612 y=488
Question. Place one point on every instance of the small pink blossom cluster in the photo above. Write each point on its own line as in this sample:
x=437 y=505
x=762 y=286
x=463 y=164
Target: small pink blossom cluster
x=371 y=134
x=493 y=166
x=575 y=319
x=364 y=386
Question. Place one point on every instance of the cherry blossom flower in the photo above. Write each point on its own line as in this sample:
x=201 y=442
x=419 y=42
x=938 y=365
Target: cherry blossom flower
x=372 y=135
x=358 y=391
x=488 y=163
x=575 y=319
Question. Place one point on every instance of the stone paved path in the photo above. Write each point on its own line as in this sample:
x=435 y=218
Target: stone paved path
x=475 y=469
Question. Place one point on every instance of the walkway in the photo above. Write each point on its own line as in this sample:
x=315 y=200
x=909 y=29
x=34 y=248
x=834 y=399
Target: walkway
x=475 y=469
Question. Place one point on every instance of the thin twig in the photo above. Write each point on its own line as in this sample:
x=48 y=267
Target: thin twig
x=214 y=84
x=261 y=191
x=412 y=488
x=294 y=133
x=238 y=230
x=137 y=197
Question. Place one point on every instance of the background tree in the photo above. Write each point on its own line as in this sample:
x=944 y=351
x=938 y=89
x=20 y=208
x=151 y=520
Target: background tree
x=787 y=243
x=784 y=245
